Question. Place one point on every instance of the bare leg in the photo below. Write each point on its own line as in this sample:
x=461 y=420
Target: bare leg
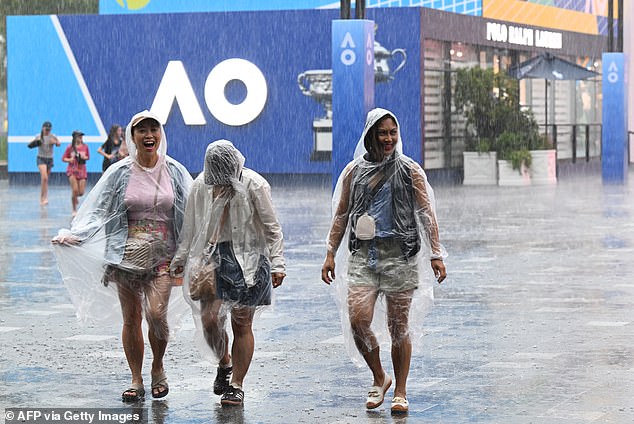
x=132 y=335
x=214 y=328
x=81 y=188
x=398 y=306
x=74 y=187
x=243 y=343
x=45 y=172
x=157 y=298
x=361 y=302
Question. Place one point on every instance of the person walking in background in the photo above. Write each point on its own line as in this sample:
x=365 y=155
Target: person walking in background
x=384 y=213
x=129 y=225
x=45 y=158
x=76 y=155
x=231 y=254
x=111 y=148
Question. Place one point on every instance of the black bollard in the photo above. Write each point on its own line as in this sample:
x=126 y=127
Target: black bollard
x=359 y=9
x=345 y=9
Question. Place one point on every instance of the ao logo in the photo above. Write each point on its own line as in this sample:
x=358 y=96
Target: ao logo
x=613 y=73
x=133 y=4
x=348 y=56
x=176 y=85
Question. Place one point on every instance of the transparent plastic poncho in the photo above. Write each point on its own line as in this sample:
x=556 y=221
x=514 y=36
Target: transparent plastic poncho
x=232 y=242
x=94 y=256
x=396 y=195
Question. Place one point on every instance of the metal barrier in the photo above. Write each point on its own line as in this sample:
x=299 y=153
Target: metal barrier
x=565 y=139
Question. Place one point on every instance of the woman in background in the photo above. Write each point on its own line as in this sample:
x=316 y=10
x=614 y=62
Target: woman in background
x=76 y=156
x=45 y=158
x=111 y=148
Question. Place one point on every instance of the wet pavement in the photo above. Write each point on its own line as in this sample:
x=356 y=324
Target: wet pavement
x=535 y=323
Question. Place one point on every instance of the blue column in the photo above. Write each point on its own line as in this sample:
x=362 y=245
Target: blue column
x=614 y=133
x=352 y=86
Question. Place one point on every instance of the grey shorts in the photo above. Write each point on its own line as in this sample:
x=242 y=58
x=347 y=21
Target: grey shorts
x=380 y=264
x=45 y=161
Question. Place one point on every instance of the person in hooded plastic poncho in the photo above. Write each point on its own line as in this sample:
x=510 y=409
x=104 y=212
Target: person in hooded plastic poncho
x=384 y=217
x=115 y=258
x=231 y=255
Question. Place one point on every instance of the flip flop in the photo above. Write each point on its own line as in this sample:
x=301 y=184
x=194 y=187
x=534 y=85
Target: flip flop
x=135 y=393
x=376 y=395
x=159 y=382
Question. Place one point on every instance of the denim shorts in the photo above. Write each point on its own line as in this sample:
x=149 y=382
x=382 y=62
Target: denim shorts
x=380 y=263
x=230 y=283
x=45 y=161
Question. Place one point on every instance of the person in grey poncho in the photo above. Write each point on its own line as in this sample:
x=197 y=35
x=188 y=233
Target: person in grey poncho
x=384 y=215
x=231 y=254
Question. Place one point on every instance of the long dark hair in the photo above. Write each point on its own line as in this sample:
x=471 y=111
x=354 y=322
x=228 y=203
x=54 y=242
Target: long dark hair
x=112 y=134
x=371 y=140
x=74 y=141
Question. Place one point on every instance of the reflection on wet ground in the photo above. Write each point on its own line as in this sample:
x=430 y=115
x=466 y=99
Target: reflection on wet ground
x=534 y=324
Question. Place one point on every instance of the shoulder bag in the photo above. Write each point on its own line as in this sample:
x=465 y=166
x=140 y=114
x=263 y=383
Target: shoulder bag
x=36 y=142
x=203 y=276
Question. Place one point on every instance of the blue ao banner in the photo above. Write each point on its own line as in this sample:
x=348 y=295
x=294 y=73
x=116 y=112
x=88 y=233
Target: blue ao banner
x=208 y=75
x=353 y=85
x=614 y=148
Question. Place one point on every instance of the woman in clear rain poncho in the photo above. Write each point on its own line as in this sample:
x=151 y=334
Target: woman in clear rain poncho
x=115 y=258
x=231 y=253
x=384 y=216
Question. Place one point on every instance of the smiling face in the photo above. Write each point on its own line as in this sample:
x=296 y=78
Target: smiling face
x=387 y=135
x=147 y=138
x=381 y=139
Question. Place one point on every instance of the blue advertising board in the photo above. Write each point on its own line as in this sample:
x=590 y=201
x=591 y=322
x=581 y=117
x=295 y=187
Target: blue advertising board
x=352 y=86
x=204 y=74
x=614 y=149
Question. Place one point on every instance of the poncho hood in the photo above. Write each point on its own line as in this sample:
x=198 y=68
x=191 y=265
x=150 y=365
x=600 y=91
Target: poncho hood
x=372 y=118
x=223 y=163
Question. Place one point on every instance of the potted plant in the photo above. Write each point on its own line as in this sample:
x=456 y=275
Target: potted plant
x=514 y=160
x=544 y=163
x=499 y=130
x=473 y=97
x=486 y=99
x=479 y=162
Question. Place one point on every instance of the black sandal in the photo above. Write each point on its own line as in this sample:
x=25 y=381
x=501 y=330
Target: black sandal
x=160 y=382
x=134 y=394
x=232 y=397
x=221 y=383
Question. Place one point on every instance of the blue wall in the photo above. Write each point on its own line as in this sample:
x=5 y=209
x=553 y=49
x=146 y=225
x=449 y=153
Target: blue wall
x=122 y=59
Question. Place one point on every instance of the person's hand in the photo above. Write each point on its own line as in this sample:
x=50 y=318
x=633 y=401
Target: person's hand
x=328 y=269
x=277 y=278
x=439 y=270
x=177 y=271
x=66 y=240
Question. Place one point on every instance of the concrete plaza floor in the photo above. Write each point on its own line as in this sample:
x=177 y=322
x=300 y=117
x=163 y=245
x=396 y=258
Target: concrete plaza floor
x=535 y=323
